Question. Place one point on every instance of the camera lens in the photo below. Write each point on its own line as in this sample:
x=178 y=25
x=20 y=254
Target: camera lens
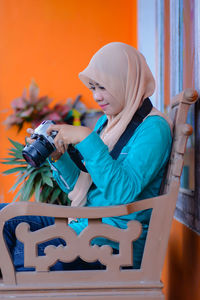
x=29 y=160
x=36 y=153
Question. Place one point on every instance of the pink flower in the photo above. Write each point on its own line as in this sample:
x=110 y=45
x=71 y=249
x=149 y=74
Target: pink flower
x=54 y=116
x=45 y=110
x=33 y=92
x=26 y=113
x=61 y=109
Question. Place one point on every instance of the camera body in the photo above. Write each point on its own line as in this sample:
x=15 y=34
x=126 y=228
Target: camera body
x=36 y=153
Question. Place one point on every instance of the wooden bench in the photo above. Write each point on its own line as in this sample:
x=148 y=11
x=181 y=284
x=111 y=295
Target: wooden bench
x=113 y=282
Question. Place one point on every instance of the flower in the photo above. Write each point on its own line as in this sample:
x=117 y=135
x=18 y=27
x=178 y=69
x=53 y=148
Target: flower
x=34 y=109
x=30 y=108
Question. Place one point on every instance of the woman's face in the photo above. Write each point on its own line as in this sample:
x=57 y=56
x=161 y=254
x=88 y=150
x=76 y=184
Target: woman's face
x=106 y=101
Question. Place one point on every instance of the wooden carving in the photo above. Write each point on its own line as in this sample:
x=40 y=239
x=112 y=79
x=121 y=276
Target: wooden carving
x=78 y=245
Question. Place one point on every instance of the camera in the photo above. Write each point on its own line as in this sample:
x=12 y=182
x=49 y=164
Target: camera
x=36 y=153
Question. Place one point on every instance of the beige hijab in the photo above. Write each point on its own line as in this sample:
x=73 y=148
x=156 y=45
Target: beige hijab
x=123 y=71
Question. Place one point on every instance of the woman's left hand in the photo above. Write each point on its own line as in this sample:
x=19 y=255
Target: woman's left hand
x=68 y=134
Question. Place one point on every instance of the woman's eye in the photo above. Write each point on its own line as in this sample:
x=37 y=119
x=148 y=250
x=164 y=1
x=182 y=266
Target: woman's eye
x=92 y=88
x=102 y=88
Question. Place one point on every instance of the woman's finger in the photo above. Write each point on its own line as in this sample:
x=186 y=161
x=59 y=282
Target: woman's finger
x=29 y=140
x=59 y=143
x=30 y=130
x=53 y=128
x=62 y=146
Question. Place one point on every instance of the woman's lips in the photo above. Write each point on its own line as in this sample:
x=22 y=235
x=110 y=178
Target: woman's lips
x=103 y=105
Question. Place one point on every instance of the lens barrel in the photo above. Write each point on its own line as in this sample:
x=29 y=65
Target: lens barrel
x=36 y=153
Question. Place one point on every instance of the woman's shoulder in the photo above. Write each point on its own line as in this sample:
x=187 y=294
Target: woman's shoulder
x=157 y=123
x=154 y=128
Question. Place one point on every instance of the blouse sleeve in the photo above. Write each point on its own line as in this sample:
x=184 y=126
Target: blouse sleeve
x=65 y=171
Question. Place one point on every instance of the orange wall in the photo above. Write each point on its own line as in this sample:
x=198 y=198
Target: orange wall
x=51 y=41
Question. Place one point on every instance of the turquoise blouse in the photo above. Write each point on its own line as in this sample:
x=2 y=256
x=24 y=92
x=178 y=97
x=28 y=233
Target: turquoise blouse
x=136 y=174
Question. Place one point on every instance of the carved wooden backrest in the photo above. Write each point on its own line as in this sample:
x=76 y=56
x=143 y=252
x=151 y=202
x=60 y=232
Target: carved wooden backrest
x=178 y=114
x=114 y=277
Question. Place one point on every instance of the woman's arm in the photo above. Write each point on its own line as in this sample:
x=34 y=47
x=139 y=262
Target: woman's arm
x=64 y=169
x=65 y=172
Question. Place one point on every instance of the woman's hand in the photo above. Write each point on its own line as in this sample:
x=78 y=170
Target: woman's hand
x=55 y=155
x=28 y=139
x=68 y=134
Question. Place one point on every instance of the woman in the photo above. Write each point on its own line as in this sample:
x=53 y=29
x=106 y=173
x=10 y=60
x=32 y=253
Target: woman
x=120 y=81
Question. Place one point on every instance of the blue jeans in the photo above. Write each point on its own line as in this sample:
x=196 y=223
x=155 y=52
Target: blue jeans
x=17 y=248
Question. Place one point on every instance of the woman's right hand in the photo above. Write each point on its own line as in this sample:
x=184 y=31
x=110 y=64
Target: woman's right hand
x=54 y=155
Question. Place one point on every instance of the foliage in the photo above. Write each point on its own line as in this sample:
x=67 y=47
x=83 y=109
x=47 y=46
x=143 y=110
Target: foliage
x=34 y=109
x=30 y=180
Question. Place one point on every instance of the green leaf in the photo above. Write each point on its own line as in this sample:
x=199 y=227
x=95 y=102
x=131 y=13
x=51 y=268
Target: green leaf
x=14 y=162
x=65 y=199
x=46 y=192
x=32 y=192
x=30 y=195
x=18 y=182
x=17 y=195
x=37 y=190
x=8 y=159
x=48 y=174
x=55 y=195
x=21 y=177
x=47 y=180
x=27 y=187
x=44 y=169
x=17 y=145
x=15 y=150
x=14 y=170
x=16 y=154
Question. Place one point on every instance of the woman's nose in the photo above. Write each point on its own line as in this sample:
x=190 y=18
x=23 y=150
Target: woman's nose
x=97 y=96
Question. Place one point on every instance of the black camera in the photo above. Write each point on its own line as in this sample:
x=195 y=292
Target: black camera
x=36 y=153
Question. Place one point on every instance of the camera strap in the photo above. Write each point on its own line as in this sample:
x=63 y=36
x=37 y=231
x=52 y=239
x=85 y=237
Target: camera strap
x=137 y=119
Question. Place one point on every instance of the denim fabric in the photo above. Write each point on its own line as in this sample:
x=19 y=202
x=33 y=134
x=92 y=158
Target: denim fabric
x=17 y=248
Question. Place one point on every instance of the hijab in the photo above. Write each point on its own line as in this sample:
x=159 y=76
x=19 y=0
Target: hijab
x=123 y=72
